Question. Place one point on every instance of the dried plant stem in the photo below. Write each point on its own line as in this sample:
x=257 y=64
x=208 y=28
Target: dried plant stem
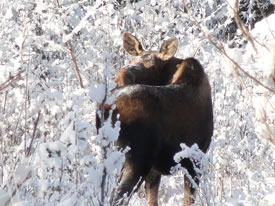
x=28 y=151
x=242 y=27
x=11 y=80
x=5 y=101
x=71 y=52
x=17 y=188
x=76 y=69
x=104 y=150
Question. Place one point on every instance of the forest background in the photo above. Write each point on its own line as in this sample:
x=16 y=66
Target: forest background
x=57 y=60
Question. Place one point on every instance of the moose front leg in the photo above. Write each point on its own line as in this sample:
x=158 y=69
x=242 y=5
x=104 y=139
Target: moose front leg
x=130 y=181
x=152 y=182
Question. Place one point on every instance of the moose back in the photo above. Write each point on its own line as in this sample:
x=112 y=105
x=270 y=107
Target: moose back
x=162 y=101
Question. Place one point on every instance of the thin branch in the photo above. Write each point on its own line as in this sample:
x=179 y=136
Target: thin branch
x=17 y=188
x=242 y=27
x=33 y=134
x=5 y=101
x=76 y=68
x=11 y=80
x=71 y=52
x=104 y=149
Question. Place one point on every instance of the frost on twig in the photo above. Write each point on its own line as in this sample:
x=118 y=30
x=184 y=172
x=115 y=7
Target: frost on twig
x=71 y=52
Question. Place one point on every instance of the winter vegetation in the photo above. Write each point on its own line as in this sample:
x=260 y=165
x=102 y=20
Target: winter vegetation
x=57 y=62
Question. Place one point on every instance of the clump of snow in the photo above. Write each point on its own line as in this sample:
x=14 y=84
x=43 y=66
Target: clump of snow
x=69 y=135
x=4 y=197
x=21 y=203
x=22 y=172
x=113 y=162
x=97 y=92
x=69 y=201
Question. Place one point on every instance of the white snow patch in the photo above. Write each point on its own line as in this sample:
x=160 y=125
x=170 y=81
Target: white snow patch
x=4 y=197
x=114 y=162
x=70 y=201
x=22 y=171
x=264 y=32
x=21 y=203
x=128 y=90
x=69 y=135
x=97 y=92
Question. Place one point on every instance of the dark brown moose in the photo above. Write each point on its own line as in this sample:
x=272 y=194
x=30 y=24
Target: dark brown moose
x=162 y=101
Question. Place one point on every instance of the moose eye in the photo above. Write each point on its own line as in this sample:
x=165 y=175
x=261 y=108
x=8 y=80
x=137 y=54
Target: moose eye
x=147 y=57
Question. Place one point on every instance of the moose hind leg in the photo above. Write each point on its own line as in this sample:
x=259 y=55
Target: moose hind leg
x=152 y=181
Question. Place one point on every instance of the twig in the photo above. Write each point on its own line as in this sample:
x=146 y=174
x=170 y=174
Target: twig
x=197 y=50
x=11 y=80
x=220 y=47
x=241 y=26
x=5 y=101
x=33 y=134
x=71 y=53
x=76 y=69
x=104 y=155
x=17 y=188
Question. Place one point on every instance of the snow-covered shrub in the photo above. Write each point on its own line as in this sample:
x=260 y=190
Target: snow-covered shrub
x=50 y=153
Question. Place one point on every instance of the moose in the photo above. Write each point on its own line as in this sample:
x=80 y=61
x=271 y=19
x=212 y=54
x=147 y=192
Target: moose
x=161 y=102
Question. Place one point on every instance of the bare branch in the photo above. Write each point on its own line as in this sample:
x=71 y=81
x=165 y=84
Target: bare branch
x=33 y=134
x=71 y=52
x=11 y=80
x=76 y=69
x=241 y=26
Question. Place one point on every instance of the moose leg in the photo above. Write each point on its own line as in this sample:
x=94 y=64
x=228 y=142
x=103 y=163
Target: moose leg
x=189 y=188
x=188 y=192
x=129 y=180
x=152 y=181
x=133 y=175
x=143 y=141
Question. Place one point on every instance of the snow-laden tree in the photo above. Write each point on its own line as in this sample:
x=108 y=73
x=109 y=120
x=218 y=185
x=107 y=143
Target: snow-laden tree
x=57 y=60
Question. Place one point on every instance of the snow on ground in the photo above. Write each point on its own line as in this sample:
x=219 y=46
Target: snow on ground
x=68 y=160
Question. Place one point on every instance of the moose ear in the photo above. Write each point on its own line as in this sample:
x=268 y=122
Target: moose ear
x=131 y=44
x=168 y=49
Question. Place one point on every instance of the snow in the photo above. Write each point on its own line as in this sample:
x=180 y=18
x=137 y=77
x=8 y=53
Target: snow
x=4 y=197
x=127 y=90
x=264 y=33
x=22 y=171
x=69 y=159
x=69 y=135
x=69 y=201
x=113 y=162
x=97 y=92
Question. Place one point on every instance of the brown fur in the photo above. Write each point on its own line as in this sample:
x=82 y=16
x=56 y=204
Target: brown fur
x=160 y=107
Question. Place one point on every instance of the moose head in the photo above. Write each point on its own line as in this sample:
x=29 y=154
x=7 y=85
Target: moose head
x=146 y=67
